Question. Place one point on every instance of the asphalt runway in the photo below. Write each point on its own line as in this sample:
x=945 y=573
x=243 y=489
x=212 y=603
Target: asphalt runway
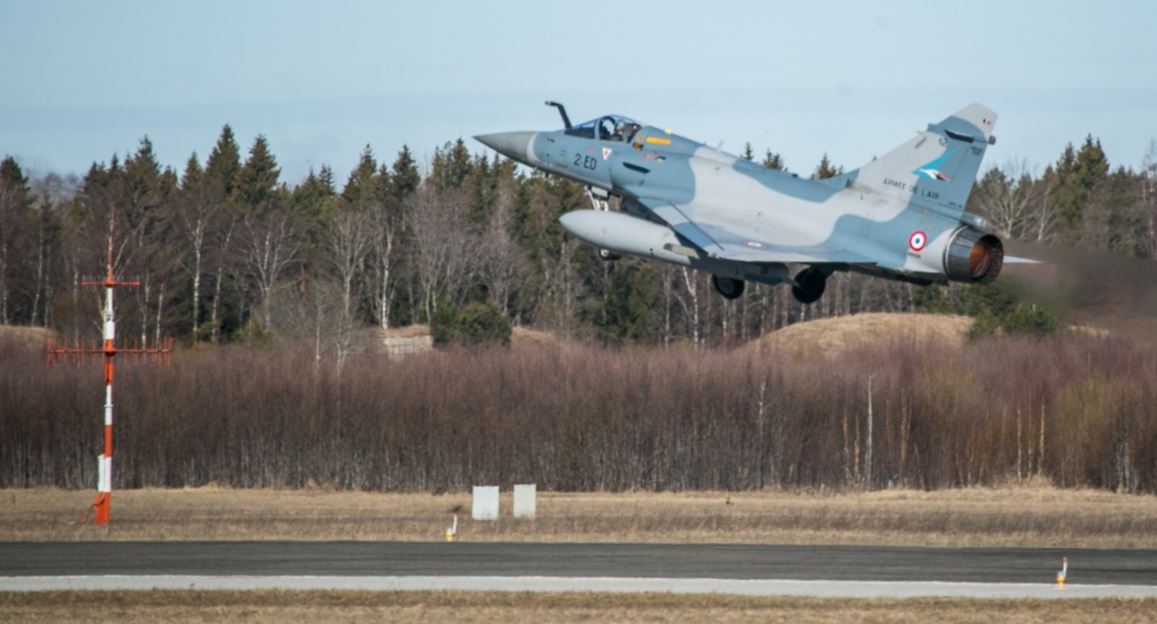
x=858 y=571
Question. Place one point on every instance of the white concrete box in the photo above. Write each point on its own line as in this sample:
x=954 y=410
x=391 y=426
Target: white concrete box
x=524 y=500
x=485 y=502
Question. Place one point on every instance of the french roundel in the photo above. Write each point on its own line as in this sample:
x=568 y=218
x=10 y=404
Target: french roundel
x=917 y=240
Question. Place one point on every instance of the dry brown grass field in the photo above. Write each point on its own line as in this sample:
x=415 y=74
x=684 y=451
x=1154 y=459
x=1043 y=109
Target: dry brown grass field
x=279 y=606
x=835 y=336
x=1030 y=515
x=520 y=336
x=31 y=337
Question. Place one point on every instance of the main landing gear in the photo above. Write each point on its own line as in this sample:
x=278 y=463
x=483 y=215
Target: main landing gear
x=729 y=287
x=808 y=285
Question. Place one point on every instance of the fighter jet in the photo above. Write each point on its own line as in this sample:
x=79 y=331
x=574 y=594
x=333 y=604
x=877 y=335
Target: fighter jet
x=900 y=216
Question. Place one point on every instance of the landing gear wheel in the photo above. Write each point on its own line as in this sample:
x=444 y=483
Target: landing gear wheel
x=608 y=255
x=811 y=284
x=730 y=288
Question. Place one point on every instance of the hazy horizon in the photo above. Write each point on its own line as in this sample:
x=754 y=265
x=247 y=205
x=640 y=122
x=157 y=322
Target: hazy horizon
x=320 y=83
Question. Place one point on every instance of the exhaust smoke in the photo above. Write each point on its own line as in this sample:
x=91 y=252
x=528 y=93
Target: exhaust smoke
x=1094 y=288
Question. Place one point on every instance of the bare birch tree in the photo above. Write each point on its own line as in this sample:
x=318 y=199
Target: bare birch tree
x=222 y=252
x=691 y=307
x=269 y=248
x=1149 y=197
x=1006 y=196
x=196 y=213
x=349 y=237
x=501 y=263
x=386 y=228
x=445 y=246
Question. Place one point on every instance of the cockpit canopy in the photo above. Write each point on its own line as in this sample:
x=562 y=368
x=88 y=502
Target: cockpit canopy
x=607 y=128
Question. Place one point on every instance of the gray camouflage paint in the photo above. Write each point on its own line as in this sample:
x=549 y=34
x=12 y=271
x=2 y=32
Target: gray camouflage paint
x=690 y=204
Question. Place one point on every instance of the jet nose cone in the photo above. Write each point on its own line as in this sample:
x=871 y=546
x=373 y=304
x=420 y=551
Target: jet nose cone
x=516 y=145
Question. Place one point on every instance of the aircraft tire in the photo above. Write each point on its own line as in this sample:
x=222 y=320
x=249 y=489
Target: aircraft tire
x=811 y=286
x=729 y=287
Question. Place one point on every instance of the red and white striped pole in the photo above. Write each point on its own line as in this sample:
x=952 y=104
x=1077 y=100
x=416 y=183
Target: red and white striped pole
x=103 y=500
x=104 y=469
x=109 y=350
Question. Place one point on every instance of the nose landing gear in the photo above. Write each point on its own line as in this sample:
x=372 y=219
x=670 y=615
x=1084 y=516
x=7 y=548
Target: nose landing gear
x=601 y=200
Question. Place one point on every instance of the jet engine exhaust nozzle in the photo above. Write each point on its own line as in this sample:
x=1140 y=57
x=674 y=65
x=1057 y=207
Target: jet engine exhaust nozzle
x=973 y=256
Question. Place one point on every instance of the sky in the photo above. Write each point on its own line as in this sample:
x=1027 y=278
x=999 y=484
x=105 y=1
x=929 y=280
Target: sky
x=321 y=80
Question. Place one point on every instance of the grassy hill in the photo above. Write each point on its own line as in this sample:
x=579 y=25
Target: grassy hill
x=32 y=337
x=834 y=336
x=416 y=339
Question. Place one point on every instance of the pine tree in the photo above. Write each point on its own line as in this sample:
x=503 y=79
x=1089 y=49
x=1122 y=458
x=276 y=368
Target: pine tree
x=1067 y=190
x=326 y=180
x=223 y=164
x=1122 y=223
x=404 y=179
x=221 y=171
x=12 y=177
x=15 y=217
x=748 y=154
x=451 y=166
x=194 y=175
x=825 y=169
x=383 y=188
x=312 y=196
x=257 y=179
x=772 y=160
x=628 y=308
x=482 y=323
x=169 y=184
x=481 y=189
x=143 y=183
x=523 y=220
x=1092 y=165
x=643 y=305
x=1079 y=174
x=361 y=186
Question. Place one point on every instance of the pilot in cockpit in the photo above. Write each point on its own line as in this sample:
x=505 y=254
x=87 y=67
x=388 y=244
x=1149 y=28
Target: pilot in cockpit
x=607 y=129
x=620 y=131
x=624 y=130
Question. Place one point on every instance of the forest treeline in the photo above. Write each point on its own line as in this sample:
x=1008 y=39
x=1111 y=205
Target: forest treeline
x=1071 y=409
x=227 y=250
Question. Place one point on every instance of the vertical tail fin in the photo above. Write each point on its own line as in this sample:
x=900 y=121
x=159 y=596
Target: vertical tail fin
x=938 y=166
